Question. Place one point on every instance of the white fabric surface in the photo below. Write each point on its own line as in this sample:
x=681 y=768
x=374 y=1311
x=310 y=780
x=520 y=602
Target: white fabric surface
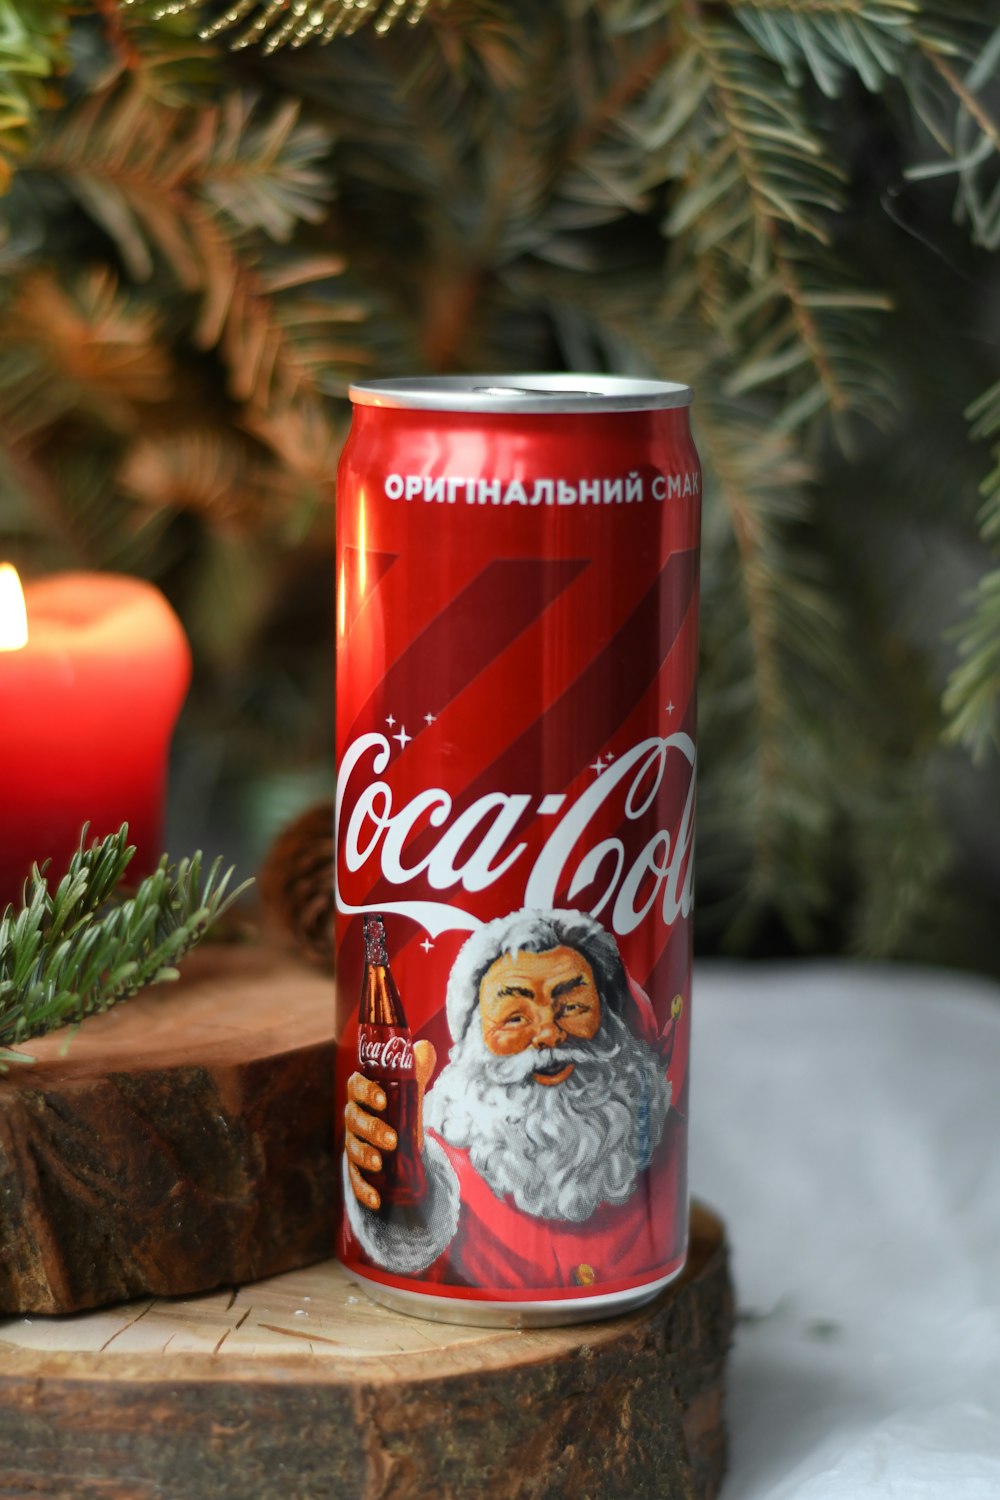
x=846 y=1125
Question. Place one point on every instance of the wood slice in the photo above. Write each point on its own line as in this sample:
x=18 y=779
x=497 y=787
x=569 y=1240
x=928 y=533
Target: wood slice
x=184 y=1141
x=303 y=1389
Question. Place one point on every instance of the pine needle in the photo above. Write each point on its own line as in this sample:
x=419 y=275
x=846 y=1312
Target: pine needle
x=972 y=697
x=760 y=193
x=33 y=39
x=81 y=947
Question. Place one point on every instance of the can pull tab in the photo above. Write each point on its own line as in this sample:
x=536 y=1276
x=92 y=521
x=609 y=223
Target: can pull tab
x=531 y=390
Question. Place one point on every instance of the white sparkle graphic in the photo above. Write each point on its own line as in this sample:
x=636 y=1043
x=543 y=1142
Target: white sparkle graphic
x=402 y=737
x=599 y=765
x=427 y=945
x=670 y=708
x=389 y=720
x=430 y=718
x=608 y=756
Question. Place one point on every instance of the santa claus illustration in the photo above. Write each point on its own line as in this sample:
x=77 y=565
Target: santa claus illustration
x=551 y=1150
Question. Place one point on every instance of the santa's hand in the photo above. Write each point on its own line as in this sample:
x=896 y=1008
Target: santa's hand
x=368 y=1137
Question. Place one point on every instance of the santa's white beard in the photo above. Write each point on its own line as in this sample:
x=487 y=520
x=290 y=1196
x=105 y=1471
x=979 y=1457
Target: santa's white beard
x=559 y=1150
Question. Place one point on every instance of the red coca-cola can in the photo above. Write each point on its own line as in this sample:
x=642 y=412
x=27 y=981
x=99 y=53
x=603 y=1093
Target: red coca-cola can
x=517 y=588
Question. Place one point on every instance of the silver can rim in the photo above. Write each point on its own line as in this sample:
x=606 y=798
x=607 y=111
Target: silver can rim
x=540 y=393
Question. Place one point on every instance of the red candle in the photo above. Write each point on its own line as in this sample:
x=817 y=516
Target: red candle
x=89 y=694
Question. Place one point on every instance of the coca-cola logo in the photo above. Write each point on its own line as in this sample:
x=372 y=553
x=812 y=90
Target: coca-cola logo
x=477 y=846
x=387 y=1054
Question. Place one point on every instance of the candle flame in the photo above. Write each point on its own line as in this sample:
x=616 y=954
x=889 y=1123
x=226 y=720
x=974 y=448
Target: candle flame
x=13 y=615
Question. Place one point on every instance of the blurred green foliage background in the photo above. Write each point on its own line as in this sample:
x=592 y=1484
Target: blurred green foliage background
x=792 y=204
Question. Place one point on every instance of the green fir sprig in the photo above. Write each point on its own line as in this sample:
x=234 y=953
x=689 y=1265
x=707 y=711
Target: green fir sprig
x=84 y=946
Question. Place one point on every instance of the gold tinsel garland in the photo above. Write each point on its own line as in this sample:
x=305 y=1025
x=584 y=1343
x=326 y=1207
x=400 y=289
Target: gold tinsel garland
x=277 y=23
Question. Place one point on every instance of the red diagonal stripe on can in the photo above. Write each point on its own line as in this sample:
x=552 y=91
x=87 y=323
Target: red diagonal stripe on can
x=645 y=640
x=550 y=655
x=504 y=599
x=379 y=630
x=600 y=699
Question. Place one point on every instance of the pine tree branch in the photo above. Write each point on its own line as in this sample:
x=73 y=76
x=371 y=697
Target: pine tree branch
x=203 y=470
x=49 y=503
x=33 y=49
x=757 y=582
x=242 y=317
x=972 y=696
x=626 y=87
x=758 y=188
x=102 y=348
x=81 y=948
x=769 y=203
x=517 y=181
x=965 y=130
x=973 y=106
x=199 y=189
x=118 y=37
x=808 y=331
x=828 y=38
x=761 y=481
x=904 y=853
x=860 y=8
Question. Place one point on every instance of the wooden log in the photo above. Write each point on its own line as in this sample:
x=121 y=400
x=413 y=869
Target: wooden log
x=184 y=1141
x=303 y=1389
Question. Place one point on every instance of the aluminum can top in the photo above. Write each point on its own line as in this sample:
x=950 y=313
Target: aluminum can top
x=533 y=393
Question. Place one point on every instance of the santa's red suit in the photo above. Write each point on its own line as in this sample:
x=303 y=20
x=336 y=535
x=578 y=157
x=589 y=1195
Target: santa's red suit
x=499 y=1246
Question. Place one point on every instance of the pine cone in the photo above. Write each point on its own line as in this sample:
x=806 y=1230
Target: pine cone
x=295 y=885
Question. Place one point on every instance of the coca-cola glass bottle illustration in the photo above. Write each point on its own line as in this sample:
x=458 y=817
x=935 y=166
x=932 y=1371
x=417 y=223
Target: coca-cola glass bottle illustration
x=385 y=1056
